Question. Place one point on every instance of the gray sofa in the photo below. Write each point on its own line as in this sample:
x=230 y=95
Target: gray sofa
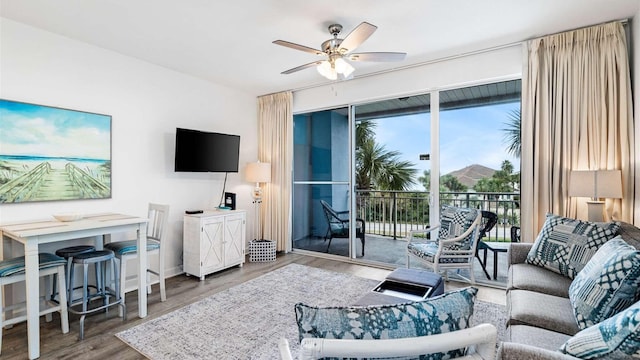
x=539 y=314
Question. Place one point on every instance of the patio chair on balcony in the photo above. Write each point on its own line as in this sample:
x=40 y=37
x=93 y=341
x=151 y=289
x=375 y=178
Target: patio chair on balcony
x=339 y=225
x=489 y=220
x=455 y=245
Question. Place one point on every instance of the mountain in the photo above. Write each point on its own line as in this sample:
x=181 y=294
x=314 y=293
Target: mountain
x=472 y=173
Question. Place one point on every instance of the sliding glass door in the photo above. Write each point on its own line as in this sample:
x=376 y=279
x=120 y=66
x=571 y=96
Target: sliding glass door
x=386 y=167
x=393 y=144
x=321 y=173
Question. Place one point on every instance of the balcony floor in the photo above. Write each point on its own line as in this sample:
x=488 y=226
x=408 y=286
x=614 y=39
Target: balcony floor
x=386 y=250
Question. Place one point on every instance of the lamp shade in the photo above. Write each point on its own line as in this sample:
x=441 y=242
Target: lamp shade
x=258 y=172
x=596 y=184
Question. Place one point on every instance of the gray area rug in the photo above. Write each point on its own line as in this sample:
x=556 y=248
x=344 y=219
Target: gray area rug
x=246 y=321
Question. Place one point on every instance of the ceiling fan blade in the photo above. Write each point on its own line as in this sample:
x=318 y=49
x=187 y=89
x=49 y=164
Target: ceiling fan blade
x=298 y=47
x=357 y=36
x=377 y=56
x=302 y=67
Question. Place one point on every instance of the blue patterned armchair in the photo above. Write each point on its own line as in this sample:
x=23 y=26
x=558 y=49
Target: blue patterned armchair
x=455 y=244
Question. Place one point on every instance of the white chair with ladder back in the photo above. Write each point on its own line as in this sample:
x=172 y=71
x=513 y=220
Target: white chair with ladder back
x=127 y=250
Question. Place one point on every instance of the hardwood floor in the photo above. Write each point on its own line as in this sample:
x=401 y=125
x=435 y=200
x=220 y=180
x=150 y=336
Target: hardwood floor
x=101 y=343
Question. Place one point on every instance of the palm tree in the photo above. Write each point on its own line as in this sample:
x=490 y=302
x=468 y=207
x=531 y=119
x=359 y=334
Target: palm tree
x=377 y=167
x=365 y=129
x=425 y=179
x=381 y=169
x=512 y=134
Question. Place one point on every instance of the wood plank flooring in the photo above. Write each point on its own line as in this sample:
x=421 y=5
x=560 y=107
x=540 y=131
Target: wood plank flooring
x=100 y=329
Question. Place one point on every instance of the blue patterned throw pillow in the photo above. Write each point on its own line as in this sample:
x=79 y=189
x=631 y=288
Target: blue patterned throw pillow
x=608 y=284
x=615 y=338
x=454 y=222
x=565 y=245
x=445 y=313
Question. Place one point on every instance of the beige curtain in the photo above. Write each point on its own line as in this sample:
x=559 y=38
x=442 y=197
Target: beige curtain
x=275 y=139
x=576 y=115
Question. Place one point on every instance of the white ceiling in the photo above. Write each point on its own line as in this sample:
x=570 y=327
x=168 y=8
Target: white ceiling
x=229 y=42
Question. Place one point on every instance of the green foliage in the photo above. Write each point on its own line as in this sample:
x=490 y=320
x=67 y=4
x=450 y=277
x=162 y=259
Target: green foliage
x=512 y=136
x=379 y=168
x=503 y=180
x=448 y=183
x=452 y=183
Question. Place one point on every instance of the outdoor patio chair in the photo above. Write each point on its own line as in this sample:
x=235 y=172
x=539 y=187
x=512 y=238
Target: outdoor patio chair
x=489 y=220
x=455 y=244
x=515 y=234
x=339 y=225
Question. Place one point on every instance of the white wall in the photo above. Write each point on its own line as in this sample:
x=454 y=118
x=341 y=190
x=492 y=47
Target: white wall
x=147 y=103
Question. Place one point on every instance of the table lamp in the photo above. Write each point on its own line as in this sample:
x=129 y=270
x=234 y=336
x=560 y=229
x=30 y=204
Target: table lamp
x=258 y=172
x=596 y=184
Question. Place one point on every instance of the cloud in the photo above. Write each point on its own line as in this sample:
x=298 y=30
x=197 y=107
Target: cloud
x=41 y=137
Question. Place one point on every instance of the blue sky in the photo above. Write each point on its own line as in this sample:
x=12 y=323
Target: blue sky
x=27 y=129
x=467 y=136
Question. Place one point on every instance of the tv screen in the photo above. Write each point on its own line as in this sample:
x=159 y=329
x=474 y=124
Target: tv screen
x=200 y=151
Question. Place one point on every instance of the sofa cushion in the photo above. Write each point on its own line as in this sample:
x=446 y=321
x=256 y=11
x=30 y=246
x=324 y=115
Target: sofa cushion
x=565 y=245
x=538 y=337
x=445 y=313
x=534 y=278
x=614 y=338
x=608 y=284
x=541 y=310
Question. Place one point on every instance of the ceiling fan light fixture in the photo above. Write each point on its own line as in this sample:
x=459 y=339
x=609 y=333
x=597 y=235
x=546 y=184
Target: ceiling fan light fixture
x=338 y=51
x=326 y=69
x=343 y=68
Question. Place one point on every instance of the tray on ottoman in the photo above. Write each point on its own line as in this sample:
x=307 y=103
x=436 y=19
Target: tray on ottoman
x=404 y=285
x=420 y=278
x=403 y=290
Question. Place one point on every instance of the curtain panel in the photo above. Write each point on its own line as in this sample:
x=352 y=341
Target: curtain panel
x=275 y=139
x=576 y=115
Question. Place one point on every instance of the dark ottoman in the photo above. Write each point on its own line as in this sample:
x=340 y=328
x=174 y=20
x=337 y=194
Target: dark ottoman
x=400 y=281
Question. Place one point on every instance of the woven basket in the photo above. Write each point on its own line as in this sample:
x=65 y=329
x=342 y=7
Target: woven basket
x=262 y=251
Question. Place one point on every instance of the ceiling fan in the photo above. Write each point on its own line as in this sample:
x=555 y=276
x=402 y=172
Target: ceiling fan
x=338 y=51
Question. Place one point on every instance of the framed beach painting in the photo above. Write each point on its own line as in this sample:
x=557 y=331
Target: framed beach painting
x=49 y=154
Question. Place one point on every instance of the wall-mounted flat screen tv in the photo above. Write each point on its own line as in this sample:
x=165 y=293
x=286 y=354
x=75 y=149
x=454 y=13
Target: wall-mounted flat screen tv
x=200 y=151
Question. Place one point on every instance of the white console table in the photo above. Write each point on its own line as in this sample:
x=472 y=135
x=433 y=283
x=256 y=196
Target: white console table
x=213 y=240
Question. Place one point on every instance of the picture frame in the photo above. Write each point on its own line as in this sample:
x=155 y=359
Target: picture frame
x=52 y=154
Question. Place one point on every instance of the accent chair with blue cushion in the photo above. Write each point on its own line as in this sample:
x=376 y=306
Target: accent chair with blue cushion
x=128 y=250
x=455 y=245
x=13 y=271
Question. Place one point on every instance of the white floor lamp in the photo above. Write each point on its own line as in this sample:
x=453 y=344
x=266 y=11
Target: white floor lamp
x=258 y=172
x=596 y=184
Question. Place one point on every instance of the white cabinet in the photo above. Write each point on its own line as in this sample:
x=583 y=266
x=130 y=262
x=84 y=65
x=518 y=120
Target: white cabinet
x=213 y=240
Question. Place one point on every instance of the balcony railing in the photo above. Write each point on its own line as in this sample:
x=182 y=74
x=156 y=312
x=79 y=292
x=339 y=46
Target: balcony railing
x=395 y=213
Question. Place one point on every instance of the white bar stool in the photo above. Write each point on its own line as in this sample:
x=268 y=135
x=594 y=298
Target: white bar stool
x=12 y=271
